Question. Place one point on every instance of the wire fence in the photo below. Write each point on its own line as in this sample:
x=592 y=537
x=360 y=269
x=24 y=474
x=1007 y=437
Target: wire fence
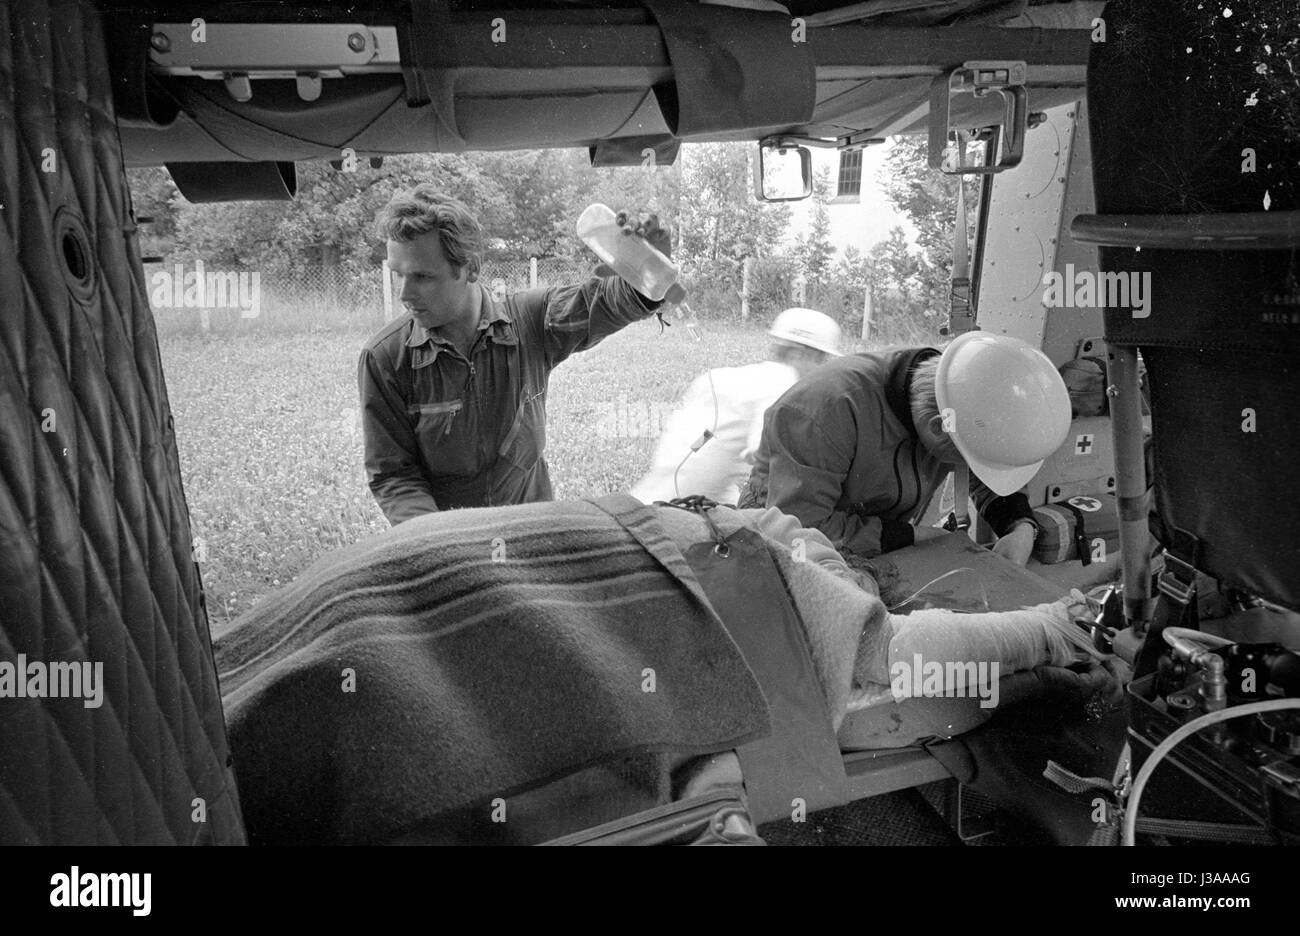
x=191 y=298
x=513 y=275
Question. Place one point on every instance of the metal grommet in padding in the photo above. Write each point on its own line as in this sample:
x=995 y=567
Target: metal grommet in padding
x=75 y=256
x=722 y=549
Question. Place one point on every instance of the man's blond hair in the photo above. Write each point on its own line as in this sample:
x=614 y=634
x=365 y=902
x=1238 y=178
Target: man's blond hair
x=424 y=210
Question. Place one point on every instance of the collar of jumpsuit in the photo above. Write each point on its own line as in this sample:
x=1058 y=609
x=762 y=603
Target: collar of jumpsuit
x=492 y=317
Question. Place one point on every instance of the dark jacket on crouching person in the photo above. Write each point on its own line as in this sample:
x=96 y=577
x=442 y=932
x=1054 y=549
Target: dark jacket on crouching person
x=841 y=453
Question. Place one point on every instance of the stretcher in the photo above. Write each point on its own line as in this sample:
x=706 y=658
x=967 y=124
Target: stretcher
x=804 y=766
x=496 y=705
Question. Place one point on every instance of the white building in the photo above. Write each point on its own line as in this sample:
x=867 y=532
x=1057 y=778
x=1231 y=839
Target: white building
x=860 y=221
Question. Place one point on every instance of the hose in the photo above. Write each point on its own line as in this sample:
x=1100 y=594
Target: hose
x=1186 y=633
x=1186 y=731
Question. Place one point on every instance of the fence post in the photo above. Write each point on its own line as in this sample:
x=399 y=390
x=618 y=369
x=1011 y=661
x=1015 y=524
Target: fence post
x=866 y=313
x=532 y=272
x=746 y=269
x=388 y=291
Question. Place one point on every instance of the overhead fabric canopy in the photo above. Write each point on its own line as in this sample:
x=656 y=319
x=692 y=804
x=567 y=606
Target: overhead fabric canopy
x=732 y=72
x=547 y=83
x=618 y=79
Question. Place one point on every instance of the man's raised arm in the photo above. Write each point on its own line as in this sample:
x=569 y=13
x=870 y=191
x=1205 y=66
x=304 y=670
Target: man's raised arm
x=581 y=315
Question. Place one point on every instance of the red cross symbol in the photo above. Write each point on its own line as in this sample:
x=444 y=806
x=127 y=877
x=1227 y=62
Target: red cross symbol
x=1083 y=444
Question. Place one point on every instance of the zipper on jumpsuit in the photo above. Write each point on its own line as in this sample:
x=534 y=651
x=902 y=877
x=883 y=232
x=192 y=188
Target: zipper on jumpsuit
x=469 y=390
x=921 y=504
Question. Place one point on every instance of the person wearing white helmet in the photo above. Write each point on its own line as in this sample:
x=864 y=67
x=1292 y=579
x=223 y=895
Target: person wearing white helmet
x=859 y=448
x=708 y=444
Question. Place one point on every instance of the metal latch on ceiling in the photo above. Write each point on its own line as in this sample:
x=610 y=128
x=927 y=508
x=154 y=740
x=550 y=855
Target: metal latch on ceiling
x=979 y=79
x=239 y=53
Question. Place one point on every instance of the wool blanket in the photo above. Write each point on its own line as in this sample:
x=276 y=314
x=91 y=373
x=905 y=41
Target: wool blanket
x=483 y=652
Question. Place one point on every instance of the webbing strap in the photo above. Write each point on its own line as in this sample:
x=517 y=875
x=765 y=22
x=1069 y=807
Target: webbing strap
x=800 y=759
x=960 y=318
x=1209 y=831
x=1176 y=605
x=961 y=500
x=1071 y=782
x=422 y=38
x=1081 y=548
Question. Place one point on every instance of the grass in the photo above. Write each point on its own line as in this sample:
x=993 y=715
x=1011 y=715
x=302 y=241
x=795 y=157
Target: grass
x=271 y=451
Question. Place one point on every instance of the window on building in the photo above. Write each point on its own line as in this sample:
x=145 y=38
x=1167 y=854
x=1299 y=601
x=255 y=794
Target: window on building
x=849 y=185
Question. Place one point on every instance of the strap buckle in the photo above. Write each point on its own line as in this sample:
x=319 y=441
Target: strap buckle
x=953 y=523
x=699 y=504
x=1178 y=580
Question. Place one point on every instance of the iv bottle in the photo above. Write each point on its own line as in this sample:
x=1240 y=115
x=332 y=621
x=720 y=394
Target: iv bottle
x=641 y=266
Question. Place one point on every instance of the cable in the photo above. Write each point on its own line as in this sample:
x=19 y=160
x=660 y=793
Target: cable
x=708 y=434
x=940 y=579
x=1186 y=731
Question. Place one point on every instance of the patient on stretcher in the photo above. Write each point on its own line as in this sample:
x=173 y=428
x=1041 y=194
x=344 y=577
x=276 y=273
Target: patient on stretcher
x=936 y=673
x=476 y=655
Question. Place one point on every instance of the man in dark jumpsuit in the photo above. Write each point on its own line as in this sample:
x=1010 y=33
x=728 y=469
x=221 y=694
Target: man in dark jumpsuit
x=453 y=395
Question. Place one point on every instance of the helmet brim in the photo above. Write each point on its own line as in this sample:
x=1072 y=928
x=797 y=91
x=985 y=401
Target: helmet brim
x=1002 y=480
x=805 y=344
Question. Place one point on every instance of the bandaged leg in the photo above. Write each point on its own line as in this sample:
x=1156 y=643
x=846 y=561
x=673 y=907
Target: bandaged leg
x=936 y=652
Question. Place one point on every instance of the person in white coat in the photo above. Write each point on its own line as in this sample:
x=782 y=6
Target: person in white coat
x=708 y=444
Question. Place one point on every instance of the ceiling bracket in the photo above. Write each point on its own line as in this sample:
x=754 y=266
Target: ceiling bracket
x=980 y=78
x=239 y=53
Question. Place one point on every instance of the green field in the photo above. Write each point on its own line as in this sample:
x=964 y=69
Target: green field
x=270 y=444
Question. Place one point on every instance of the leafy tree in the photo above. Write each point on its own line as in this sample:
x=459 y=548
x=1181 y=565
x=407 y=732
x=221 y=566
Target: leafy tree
x=650 y=190
x=229 y=234
x=816 y=250
x=928 y=198
x=538 y=192
x=896 y=266
x=720 y=219
x=853 y=269
x=528 y=203
x=154 y=195
x=336 y=210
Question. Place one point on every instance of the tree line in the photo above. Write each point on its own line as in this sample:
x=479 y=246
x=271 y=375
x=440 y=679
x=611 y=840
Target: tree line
x=528 y=203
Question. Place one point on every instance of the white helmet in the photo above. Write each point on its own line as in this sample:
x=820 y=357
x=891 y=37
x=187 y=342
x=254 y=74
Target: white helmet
x=1008 y=405
x=809 y=328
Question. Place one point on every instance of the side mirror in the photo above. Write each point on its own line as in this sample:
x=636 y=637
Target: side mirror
x=784 y=173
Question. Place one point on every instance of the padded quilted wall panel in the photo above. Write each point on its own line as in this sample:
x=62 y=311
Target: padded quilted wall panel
x=95 y=564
